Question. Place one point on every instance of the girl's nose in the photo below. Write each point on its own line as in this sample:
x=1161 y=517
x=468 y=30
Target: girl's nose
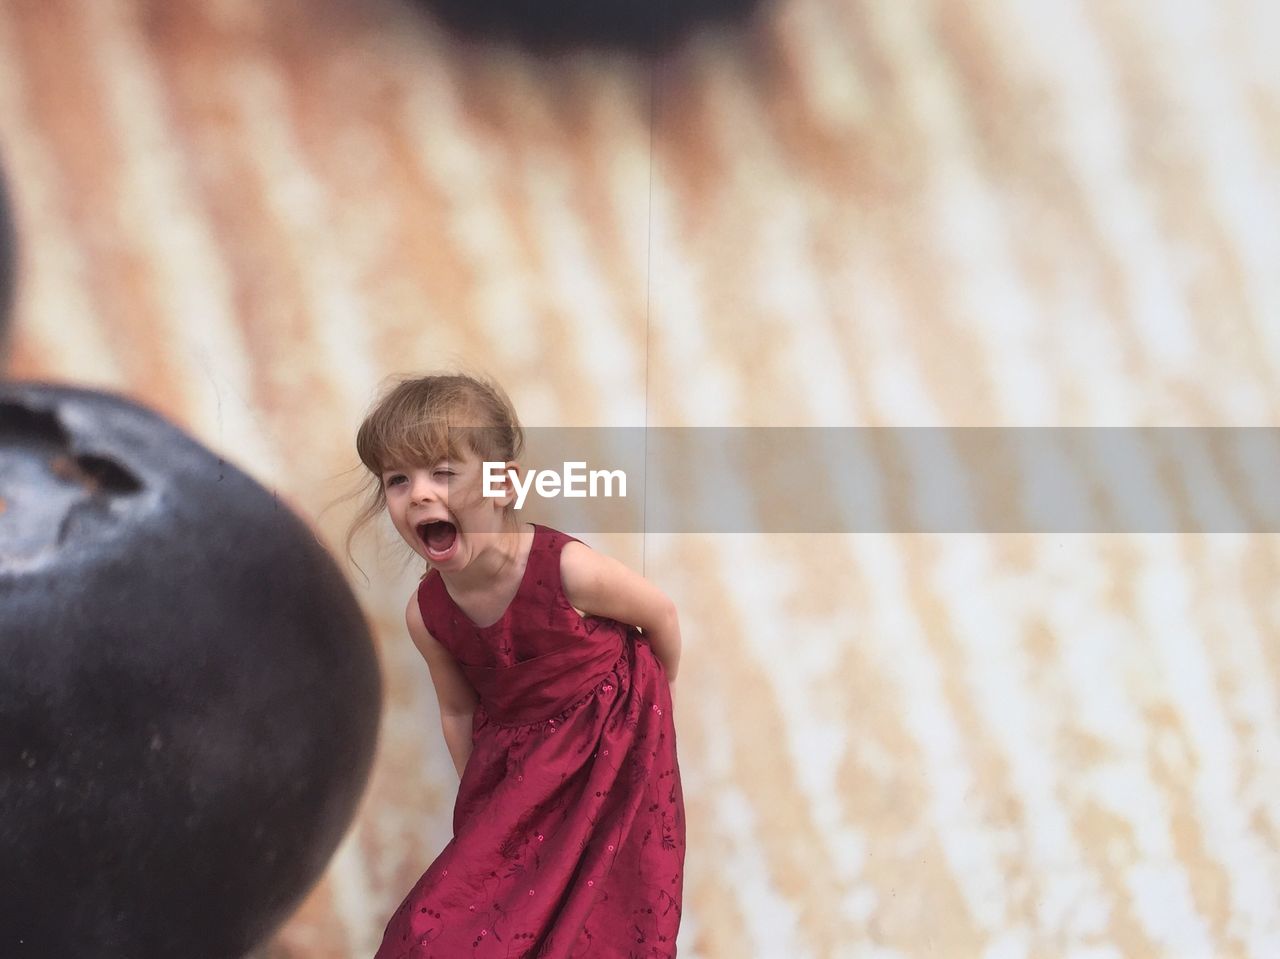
x=423 y=487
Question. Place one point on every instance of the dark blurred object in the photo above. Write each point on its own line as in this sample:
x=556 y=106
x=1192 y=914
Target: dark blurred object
x=190 y=694
x=558 y=24
x=8 y=242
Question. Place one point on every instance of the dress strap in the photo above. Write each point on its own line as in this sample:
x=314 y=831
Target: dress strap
x=545 y=558
x=433 y=604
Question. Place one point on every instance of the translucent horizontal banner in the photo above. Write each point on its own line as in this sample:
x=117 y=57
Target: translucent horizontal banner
x=903 y=479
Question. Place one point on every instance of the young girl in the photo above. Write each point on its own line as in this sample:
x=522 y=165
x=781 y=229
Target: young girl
x=552 y=666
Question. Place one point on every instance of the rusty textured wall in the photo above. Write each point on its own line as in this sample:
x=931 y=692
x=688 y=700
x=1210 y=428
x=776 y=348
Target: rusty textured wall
x=849 y=212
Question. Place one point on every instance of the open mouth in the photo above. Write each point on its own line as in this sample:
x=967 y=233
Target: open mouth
x=440 y=537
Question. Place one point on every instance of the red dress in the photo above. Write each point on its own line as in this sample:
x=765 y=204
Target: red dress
x=568 y=830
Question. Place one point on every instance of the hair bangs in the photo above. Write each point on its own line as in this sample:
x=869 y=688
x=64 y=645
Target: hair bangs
x=412 y=441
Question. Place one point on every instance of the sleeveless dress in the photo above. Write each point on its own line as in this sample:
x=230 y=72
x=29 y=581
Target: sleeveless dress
x=568 y=829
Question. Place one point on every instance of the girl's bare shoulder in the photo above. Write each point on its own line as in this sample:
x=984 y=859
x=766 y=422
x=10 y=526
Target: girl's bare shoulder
x=599 y=584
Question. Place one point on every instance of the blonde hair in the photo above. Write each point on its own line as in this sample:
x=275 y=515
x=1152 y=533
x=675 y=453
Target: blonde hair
x=420 y=420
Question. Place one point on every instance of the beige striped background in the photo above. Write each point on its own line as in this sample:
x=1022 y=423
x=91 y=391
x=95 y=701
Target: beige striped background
x=851 y=212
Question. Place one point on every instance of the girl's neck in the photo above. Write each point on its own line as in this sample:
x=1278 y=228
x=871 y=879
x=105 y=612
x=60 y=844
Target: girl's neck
x=500 y=560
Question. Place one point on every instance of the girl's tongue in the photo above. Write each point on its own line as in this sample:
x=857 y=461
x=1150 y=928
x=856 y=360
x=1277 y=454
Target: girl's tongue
x=441 y=537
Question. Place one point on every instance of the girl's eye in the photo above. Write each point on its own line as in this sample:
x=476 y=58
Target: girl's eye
x=444 y=472
x=391 y=481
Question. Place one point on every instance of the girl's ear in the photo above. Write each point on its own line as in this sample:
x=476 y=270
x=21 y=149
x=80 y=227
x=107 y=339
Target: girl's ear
x=505 y=484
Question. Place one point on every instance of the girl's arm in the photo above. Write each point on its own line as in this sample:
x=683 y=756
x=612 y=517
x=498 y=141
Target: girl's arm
x=457 y=697
x=600 y=585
